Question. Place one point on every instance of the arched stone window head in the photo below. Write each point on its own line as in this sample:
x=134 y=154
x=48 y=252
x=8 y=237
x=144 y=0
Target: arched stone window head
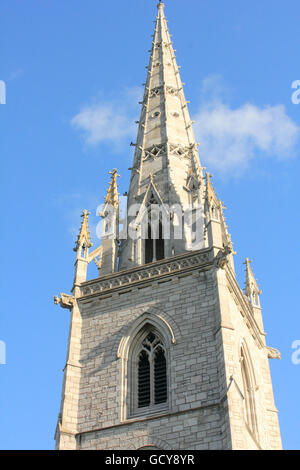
x=145 y=350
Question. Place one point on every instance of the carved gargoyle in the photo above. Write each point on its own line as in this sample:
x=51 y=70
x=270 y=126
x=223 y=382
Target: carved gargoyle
x=273 y=353
x=221 y=259
x=65 y=300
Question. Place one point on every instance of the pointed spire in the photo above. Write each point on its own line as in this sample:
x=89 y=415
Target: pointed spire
x=252 y=290
x=165 y=128
x=210 y=192
x=107 y=263
x=112 y=196
x=165 y=149
x=84 y=239
x=215 y=216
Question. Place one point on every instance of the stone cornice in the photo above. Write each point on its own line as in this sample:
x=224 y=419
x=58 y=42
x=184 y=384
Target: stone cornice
x=140 y=274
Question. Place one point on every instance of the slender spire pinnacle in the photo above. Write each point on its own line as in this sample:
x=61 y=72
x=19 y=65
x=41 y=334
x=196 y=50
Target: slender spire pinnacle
x=84 y=239
x=251 y=287
x=211 y=195
x=215 y=213
x=110 y=231
x=112 y=196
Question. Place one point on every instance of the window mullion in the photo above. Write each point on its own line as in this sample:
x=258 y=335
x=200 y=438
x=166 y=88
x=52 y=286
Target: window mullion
x=151 y=379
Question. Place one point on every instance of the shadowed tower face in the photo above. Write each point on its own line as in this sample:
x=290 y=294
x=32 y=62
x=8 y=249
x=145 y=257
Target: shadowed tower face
x=165 y=351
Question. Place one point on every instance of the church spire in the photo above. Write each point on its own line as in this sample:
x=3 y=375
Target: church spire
x=82 y=246
x=165 y=150
x=165 y=133
x=217 y=233
x=110 y=231
x=252 y=290
x=83 y=239
x=112 y=196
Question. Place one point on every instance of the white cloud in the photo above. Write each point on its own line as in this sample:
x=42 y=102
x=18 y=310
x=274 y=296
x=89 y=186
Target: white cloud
x=109 y=121
x=102 y=122
x=230 y=138
x=16 y=74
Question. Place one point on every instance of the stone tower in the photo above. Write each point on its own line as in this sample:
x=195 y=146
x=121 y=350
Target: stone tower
x=165 y=349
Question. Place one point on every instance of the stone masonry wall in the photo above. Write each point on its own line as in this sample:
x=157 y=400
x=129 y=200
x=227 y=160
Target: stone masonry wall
x=238 y=332
x=197 y=415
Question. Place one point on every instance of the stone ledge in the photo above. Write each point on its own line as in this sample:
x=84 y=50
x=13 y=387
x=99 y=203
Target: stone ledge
x=151 y=271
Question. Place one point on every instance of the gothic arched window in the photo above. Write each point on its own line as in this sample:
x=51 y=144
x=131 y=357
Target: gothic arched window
x=152 y=372
x=148 y=386
x=248 y=391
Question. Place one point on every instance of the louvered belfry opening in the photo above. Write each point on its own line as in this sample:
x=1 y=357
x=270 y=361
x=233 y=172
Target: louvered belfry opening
x=160 y=376
x=152 y=372
x=149 y=247
x=154 y=245
x=144 y=380
x=160 y=244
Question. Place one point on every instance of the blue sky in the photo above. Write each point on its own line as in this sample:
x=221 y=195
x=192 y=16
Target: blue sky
x=73 y=72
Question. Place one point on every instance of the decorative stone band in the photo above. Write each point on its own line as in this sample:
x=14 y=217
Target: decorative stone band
x=154 y=152
x=180 y=151
x=154 y=270
x=174 y=149
x=154 y=92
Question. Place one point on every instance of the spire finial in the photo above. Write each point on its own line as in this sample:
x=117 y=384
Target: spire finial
x=114 y=173
x=85 y=214
x=247 y=262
